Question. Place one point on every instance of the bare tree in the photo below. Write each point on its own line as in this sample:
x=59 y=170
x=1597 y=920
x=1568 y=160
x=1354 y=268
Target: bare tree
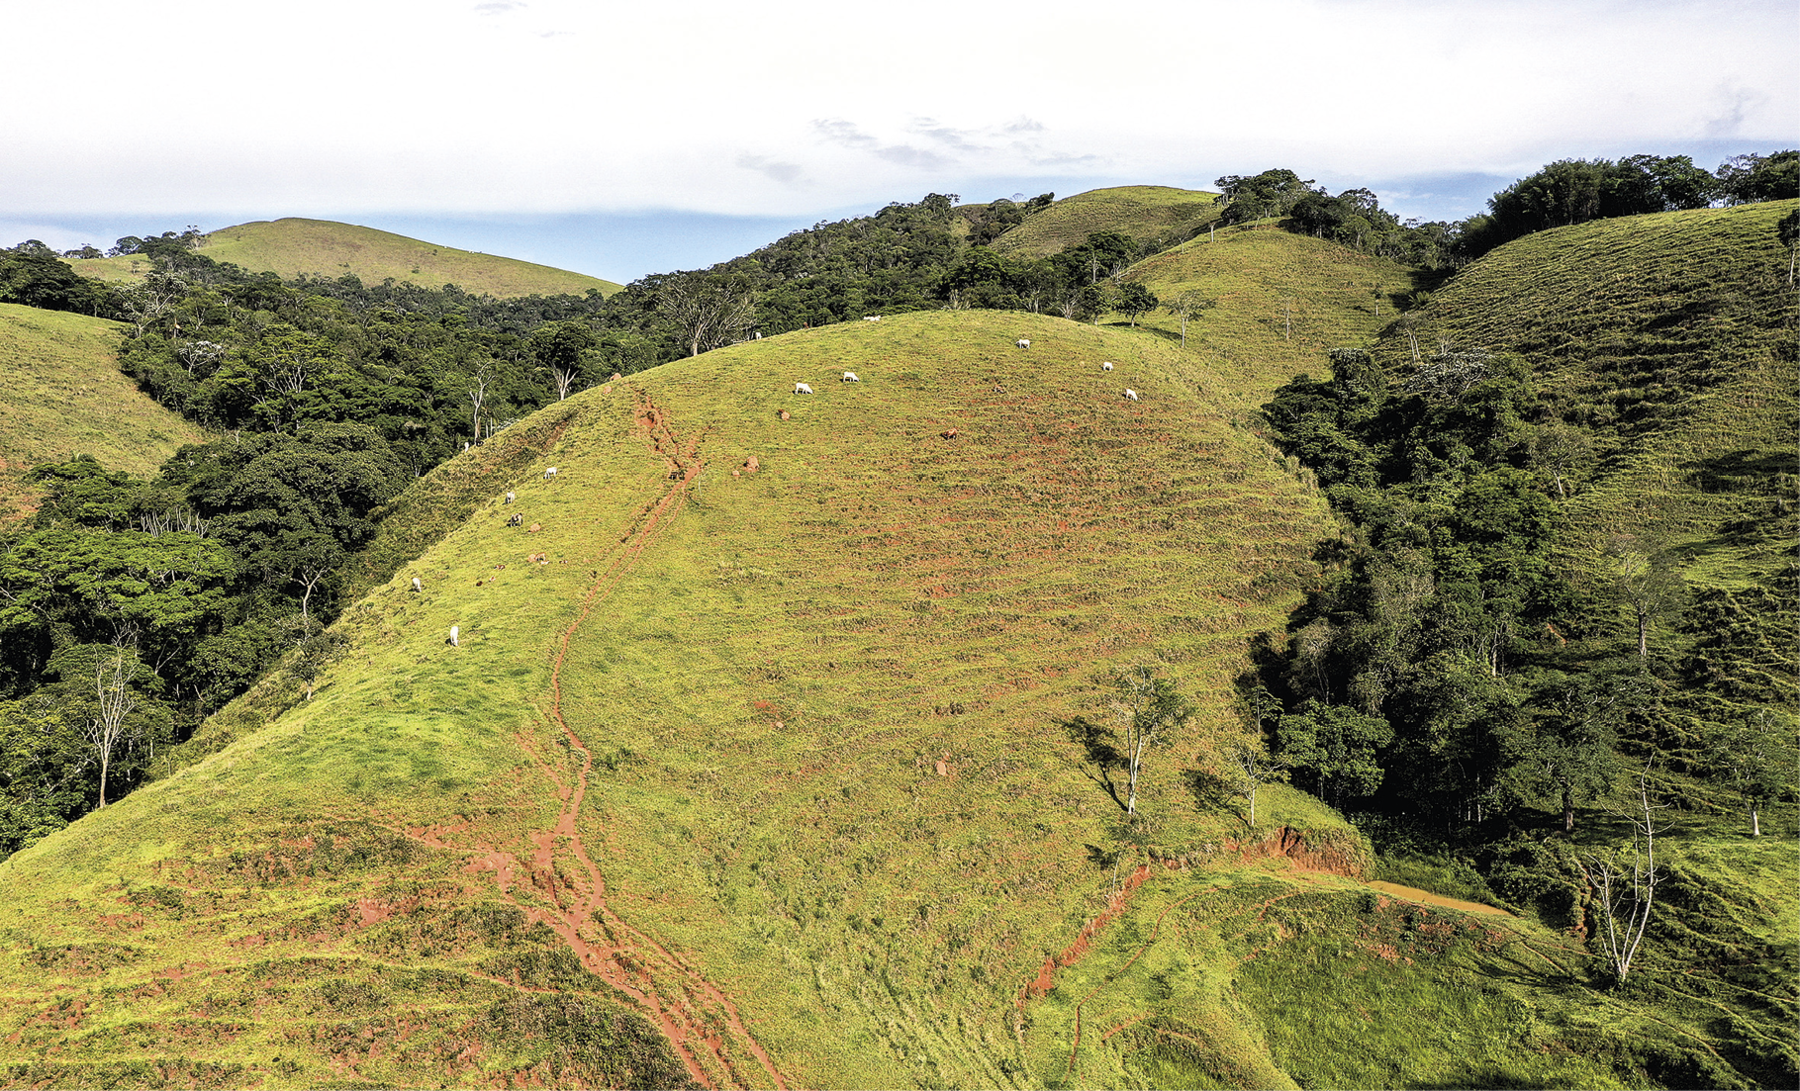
x=112 y=683
x=1185 y=305
x=564 y=378
x=1249 y=766
x=709 y=313
x=478 y=391
x=1627 y=886
x=1149 y=710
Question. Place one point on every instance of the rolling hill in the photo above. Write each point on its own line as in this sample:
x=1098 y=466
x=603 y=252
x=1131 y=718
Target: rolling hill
x=745 y=759
x=746 y=765
x=1147 y=214
x=63 y=396
x=292 y=246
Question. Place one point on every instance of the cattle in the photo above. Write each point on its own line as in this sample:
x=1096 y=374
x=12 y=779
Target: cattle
x=802 y=388
x=455 y=631
x=1131 y=395
x=416 y=584
x=850 y=377
x=516 y=521
x=871 y=318
x=1023 y=342
x=549 y=473
x=1107 y=366
x=511 y=496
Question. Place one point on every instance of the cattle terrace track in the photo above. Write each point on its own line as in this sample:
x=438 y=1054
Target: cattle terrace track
x=700 y=1022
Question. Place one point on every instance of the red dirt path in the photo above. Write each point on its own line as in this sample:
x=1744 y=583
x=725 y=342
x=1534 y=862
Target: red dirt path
x=566 y=889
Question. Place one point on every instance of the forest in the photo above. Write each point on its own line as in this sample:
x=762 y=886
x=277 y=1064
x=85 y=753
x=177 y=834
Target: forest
x=132 y=609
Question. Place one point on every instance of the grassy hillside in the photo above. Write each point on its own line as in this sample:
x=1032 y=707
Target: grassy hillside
x=747 y=769
x=1670 y=339
x=1145 y=213
x=1281 y=301
x=774 y=748
x=324 y=248
x=61 y=395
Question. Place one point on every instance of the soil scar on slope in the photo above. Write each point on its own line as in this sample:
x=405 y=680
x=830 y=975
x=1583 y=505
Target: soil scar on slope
x=701 y=1023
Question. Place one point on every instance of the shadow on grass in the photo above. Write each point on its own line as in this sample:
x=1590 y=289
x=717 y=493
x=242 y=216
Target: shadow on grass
x=1490 y=1078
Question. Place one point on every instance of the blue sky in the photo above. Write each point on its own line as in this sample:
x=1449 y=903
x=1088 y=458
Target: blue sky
x=620 y=140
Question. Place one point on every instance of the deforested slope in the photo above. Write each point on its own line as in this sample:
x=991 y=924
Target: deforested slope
x=1269 y=304
x=61 y=395
x=294 y=247
x=1145 y=214
x=746 y=764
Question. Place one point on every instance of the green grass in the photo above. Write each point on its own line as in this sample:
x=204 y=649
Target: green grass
x=61 y=395
x=1147 y=214
x=889 y=597
x=1282 y=302
x=293 y=246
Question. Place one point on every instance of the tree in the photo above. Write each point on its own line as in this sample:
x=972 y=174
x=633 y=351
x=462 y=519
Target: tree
x=1338 y=745
x=1135 y=299
x=1626 y=883
x=112 y=683
x=1187 y=304
x=1751 y=759
x=1147 y=710
x=1249 y=766
x=1788 y=231
x=1648 y=586
x=707 y=311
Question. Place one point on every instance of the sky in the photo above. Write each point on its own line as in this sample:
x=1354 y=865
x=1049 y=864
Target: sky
x=622 y=139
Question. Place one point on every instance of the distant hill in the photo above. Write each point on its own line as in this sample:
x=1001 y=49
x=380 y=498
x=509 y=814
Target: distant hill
x=61 y=395
x=1147 y=214
x=290 y=247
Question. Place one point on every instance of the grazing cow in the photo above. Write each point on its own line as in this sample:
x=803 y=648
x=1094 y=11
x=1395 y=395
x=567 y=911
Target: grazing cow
x=871 y=318
x=510 y=496
x=416 y=585
x=1107 y=366
x=455 y=631
x=802 y=388
x=1023 y=342
x=850 y=377
x=1131 y=395
x=550 y=473
x=516 y=521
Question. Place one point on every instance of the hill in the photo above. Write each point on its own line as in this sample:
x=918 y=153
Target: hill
x=292 y=247
x=750 y=765
x=1149 y=215
x=62 y=395
x=1669 y=340
x=1269 y=304
x=783 y=734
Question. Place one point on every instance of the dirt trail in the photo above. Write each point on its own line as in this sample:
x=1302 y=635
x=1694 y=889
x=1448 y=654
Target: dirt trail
x=701 y=1023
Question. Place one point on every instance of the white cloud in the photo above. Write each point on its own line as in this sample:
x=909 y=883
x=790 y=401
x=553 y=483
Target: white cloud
x=448 y=106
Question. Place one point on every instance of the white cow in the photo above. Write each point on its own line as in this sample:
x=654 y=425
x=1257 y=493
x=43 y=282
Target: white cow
x=1107 y=366
x=454 y=632
x=1023 y=342
x=850 y=377
x=1131 y=395
x=550 y=473
x=511 y=496
x=871 y=318
x=416 y=585
x=802 y=388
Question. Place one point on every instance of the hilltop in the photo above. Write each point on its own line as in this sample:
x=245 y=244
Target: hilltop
x=292 y=247
x=1148 y=215
x=63 y=396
